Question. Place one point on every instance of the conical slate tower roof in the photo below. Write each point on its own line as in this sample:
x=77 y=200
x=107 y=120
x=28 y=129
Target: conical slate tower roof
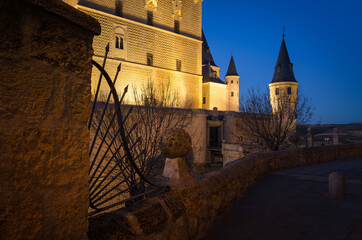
x=232 y=69
x=283 y=71
x=206 y=53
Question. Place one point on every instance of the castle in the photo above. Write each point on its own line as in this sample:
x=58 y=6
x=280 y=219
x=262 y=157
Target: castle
x=163 y=42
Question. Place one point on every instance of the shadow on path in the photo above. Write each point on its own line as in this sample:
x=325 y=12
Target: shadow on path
x=294 y=204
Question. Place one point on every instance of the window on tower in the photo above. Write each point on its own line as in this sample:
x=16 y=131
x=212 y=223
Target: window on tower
x=232 y=94
x=277 y=91
x=204 y=100
x=149 y=59
x=177 y=26
x=232 y=81
x=118 y=8
x=119 y=41
x=150 y=18
x=178 y=65
x=289 y=90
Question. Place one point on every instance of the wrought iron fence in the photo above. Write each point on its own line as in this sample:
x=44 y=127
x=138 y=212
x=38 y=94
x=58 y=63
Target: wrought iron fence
x=115 y=179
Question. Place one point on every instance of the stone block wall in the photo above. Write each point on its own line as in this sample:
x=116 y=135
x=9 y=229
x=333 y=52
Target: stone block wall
x=45 y=68
x=163 y=14
x=186 y=212
x=140 y=40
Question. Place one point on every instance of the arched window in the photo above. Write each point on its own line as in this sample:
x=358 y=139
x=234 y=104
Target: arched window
x=119 y=35
x=119 y=42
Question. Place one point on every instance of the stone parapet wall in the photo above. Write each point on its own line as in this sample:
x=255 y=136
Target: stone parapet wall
x=231 y=152
x=45 y=69
x=186 y=212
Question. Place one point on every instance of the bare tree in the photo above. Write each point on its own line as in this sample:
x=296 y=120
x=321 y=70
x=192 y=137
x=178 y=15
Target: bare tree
x=157 y=109
x=270 y=125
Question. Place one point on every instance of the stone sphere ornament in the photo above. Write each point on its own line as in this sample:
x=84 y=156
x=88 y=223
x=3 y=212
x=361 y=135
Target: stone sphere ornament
x=175 y=143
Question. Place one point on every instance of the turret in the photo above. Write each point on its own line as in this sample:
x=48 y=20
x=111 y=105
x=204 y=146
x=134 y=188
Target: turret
x=283 y=84
x=232 y=80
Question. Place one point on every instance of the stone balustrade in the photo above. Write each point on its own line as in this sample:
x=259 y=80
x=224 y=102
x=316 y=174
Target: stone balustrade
x=187 y=211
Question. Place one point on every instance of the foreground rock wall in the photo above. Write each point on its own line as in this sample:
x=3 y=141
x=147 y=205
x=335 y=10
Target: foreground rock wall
x=45 y=68
x=187 y=211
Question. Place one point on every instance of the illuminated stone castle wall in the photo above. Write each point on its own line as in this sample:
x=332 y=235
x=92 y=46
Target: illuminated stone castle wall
x=215 y=95
x=233 y=92
x=280 y=90
x=140 y=40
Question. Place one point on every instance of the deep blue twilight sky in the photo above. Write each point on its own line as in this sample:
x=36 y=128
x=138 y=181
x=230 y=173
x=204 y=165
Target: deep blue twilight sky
x=324 y=41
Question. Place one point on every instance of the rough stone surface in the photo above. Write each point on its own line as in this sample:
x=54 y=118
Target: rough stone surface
x=44 y=106
x=175 y=143
x=176 y=172
x=336 y=184
x=192 y=209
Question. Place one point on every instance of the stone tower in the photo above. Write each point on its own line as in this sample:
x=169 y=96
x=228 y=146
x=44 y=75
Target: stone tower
x=283 y=84
x=232 y=80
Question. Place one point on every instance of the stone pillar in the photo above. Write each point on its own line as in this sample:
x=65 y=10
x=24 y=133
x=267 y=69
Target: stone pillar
x=45 y=69
x=336 y=184
x=336 y=136
x=229 y=128
x=175 y=144
x=199 y=136
x=310 y=140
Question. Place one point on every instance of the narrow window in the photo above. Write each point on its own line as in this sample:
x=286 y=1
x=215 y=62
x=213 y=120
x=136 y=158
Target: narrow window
x=178 y=65
x=118 y=8
x=278 y=68
x=289 y=90
x=215 y=75
x=149 y=59
x=150 y=18
x=277 y=91
x=177 y=26
x=204 y=100
x=232 y=94
x=232 y=81
x=119 y=42
x=237 y=82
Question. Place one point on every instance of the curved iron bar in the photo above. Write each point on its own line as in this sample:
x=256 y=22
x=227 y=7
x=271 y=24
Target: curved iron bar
x=119 y=116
